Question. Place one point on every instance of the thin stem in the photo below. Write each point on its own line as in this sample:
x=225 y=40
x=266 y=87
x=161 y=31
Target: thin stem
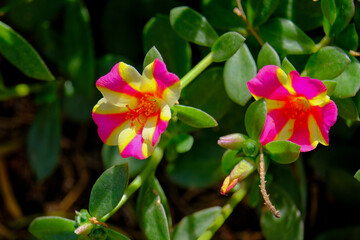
x=226 y=210
x=137 y=182
x=193 y=73
x=263 y=187
x=240 y=12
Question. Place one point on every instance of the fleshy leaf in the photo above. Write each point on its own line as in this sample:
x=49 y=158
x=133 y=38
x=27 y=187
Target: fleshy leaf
x=337 y=15
x=330 y=86
x=357 y=175
x=175 y=50
x=151 y=55
x=108 y=190
x=238 y=70
x=348 y=39
x=347 y=108
x=333 y=59
x=229 y=161
x=258 y=11
x=113 y=235
x=267 y=56
x=44 y=140
x=111 y=157
x=192 y=226
x=348 y=82
x=283 y=152
x=286 y=37
x=22 y=55
x=153 y=211
x=194 y=117
x=183 y=142
x=255 y=119
x=53 y=228
x=226 y=46
x=286 y=66
x=192 y=26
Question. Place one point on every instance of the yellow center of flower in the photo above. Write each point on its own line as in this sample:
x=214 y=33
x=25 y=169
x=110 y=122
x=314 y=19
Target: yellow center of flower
x=297 y=107
x=147 y=106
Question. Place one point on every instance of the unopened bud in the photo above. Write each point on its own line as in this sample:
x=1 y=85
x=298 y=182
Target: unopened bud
x=84 y=229
x=245 y=167
x=233 y=141
x=251 y=148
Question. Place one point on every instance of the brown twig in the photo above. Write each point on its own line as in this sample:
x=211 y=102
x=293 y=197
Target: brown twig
x=355 y=54
x=240 y=12
x=263 y=187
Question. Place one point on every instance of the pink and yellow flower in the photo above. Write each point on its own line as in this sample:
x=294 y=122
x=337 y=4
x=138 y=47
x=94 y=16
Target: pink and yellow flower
x=298 y=108
x=135 y=109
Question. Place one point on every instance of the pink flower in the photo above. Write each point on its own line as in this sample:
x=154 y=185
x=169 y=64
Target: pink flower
x=135 y=109
x=298 y=108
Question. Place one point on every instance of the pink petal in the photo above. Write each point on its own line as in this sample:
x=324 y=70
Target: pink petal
x=325 y=118
x=134 y=148
x=306 y=86
x=301 y=136
x=114 y=82
x=274 y=123
x=266 y=84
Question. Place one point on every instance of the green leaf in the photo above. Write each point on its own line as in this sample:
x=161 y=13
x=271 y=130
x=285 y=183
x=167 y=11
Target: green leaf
x=220 y=14
x=108 y=190
x=306 y=15
x=44 y=140
x=192 y=26
x=286 y=66
x=348 y=82
x=22 y=55
x=229 y=161
x=53 y=228
x=283 y=152
x=255 y=119
x=194 y=117
x=200 y=167
x=290 y=224
x=183 y=142
x=348 y=39
x=286 y=37
x=152 y=209
x=330 y=86
x=214 y=100
x=175 y=50
x=111 y=156
x=347 y=108
x=226 y=46
x=337 y=15
x=79 y=59
x=333 y=59
x=357 y=175
x=258 y=11
x=267 y=56
x=151 y=55
x=238 y=70
x=113 y=235
x=192 y=226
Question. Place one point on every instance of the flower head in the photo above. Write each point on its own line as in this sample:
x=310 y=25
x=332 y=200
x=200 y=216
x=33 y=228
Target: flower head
x=298 y=108
x=135 y=109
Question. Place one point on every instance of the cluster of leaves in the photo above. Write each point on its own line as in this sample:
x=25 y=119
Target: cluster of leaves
x=183 y=36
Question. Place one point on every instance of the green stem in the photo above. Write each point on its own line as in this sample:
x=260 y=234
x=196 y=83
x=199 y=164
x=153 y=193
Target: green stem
x=193 y=73
x=138 y=181
x=226 y=210
x=324 y=42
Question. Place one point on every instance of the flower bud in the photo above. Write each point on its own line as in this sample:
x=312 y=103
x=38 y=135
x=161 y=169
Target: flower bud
x=233 y=141
x=251 y=148
x=239 y=172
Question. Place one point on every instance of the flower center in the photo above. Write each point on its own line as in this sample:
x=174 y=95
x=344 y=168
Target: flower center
x=297 y=107
x=147 y=105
